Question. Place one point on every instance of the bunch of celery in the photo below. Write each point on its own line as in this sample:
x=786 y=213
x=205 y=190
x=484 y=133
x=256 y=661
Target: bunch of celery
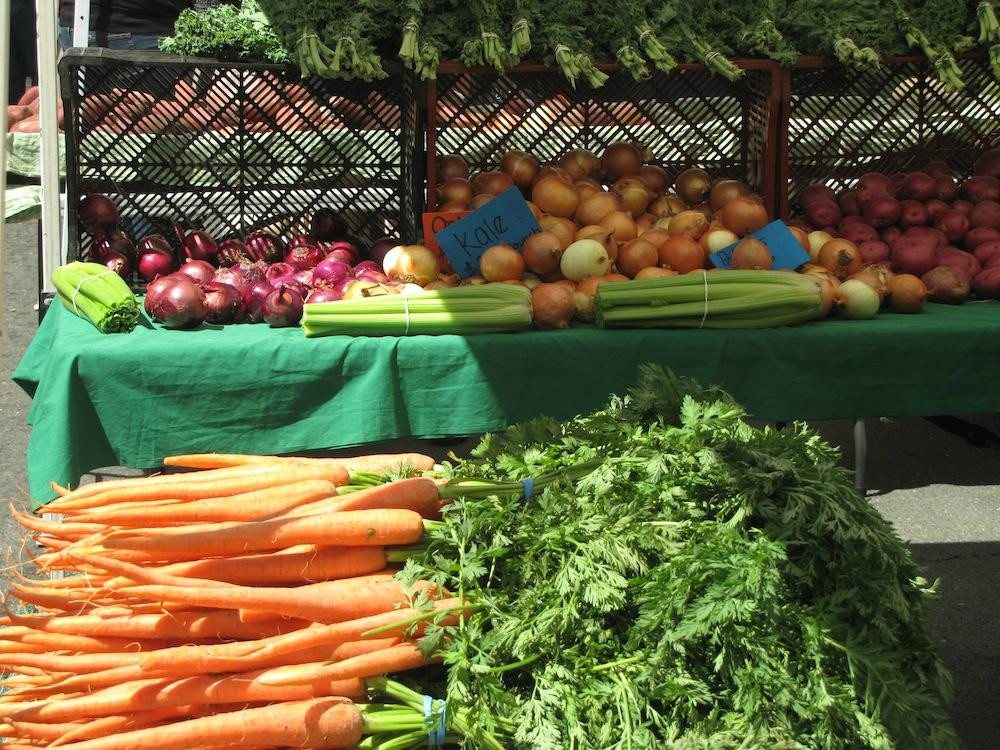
x=468 y=309
x=720 y=299
x=98 y=294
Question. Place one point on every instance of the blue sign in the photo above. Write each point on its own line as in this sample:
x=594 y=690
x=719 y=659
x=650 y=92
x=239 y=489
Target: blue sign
x=505 y=219
x=785 y=249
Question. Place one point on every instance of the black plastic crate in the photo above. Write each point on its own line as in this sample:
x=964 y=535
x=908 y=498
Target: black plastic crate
x=839 y=123
x=233 y=147
x=686 y=118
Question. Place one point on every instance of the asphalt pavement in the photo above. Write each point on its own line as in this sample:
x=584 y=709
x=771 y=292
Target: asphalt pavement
x=939 y=483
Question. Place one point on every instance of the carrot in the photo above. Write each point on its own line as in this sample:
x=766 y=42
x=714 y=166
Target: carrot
x=74 y=663
x=320 y=722
x=58 y=529
x=57 y=733
x=81 y=643
x=15 y=647
x=248 y=506
x=358 y=527
x=268 y=569
x=221 y=624
x=330 y=601
x=66 y=600
x=417 y=494
x=377 y=463
x=121 y=507
x=396 y=659
x=199 y=485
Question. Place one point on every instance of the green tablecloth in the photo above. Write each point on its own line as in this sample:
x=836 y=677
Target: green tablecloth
x=131 y=399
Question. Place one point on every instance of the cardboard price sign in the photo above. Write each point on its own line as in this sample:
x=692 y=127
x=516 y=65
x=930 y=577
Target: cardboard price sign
x=435 y=221
x=784 y=248
x=505 y=219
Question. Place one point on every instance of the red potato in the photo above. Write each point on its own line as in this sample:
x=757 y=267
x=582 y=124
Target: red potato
x=963 y=262
x=28 y=125
x=993 y=262
x=964 y=207
x=857 y=232
x=918 y=186
x=946 y=187
x=987 y=283
x=978 y=235
x=946 y=285
x=873 y=185
x=874 y=251
x=882 y=211
x=981 y=188
x=848 y=202
x=954 y=224
x=914 y=255
x=986 y=251
x=890 y=235
x=985 y=214
x=16 y=113
x=935 y=208
x=913 y=213
x=936 y=236
x=822 y=211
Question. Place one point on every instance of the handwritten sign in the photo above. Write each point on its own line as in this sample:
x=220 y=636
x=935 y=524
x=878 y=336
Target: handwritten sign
x=435 y=221
x=785 y=249
x=505 y=219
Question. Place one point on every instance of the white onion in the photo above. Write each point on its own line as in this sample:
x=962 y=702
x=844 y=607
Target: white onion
x=857 y=301
x=584 y=258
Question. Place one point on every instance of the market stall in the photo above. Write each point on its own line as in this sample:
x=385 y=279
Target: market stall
x=130 y=400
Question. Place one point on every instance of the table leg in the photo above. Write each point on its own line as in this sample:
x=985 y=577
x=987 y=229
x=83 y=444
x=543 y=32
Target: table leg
x=860 y=454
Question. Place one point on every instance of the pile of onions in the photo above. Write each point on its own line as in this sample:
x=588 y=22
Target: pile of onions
x=177 y=303
x=304 y=252
x=584 y=258
x=199 y=271
x=263 y=246
x=231 y=252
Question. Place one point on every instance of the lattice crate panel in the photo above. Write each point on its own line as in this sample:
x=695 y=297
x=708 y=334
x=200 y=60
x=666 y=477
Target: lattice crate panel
x=842 y=123
x=686 y=118
x=236 y=147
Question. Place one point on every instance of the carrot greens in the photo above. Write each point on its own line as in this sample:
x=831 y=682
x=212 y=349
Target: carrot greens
x=708 y=584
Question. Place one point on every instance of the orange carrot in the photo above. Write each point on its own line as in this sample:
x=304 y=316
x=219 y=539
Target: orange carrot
x=330 y=601
x=222 y=624
x=269 y=569
x=357 y=527
x=396 y=659
x=249 y=506
x=101 y=726
x=417 y=494
x=320 y=722
x=83 y=644
x=58 y=529
x=376 y=463
x=199 y=485
x=121 y=507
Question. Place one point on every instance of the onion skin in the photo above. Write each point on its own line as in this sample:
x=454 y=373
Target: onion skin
x=594 y=208
x=840 y=257
x=552 y=306
x=493 y=183
x=621 y=160
x=232 y=252
x=283 y=308
x=501 y=263
x=521 y=166
x=541 y=252
x=118 y=263
x=224 y=303
x=584 y=258
x=97 y=214
x=199 y=271
x=264 y=246
x=857 y=301
x=555 y=197
x=906 y=293
x=412 y=264
x=750 y=254
x=457 y=190
x=621 y=225
x=691 y=223
x=451 y=165
x=655 y=178
x=745 y=215
x=181 y=304
x=580 y=164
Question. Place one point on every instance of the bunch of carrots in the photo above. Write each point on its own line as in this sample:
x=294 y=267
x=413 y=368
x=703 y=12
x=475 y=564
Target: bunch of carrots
x=251 y=602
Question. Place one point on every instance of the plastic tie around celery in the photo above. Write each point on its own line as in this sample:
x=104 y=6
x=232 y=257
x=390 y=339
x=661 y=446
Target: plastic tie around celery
x=529 y=488
x=80 y=283
x=436 y=733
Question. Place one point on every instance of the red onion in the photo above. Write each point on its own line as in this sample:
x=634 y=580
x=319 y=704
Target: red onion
x=340 y=287
x=277 y=270
x=283 y=308
x=97 y=213
x=154 y=242
x=380 y=247
x=341 y=255
x=118 y=263
x=290 y=281
x=115 y=241
x=303 y=253
x=305 y=278
x=153 y=263
x=254 y=301
x=330 y=270
x=181 y=304
x=200 y=271
x=224 y=303
x=323 y=294
x=231 y=252
x=988 y=164
x=154 y=289
x=376 y=276
x=327 y=225
x=348 y=249
x=199 y=245
x=234 y=277
x=264 y=246
x=366 y=265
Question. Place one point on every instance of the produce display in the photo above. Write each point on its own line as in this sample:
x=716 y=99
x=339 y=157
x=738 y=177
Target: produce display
x=97 y=294
x=923 y=224
x=23 y=117
x=338 y=40
x=657 y=573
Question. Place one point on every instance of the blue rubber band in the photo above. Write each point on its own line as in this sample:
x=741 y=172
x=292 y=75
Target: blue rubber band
x=437 y=732
x=529 y=488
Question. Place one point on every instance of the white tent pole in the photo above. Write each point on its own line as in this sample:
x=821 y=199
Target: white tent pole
x=48 y=87
x=81 y=23
x=4 y=93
